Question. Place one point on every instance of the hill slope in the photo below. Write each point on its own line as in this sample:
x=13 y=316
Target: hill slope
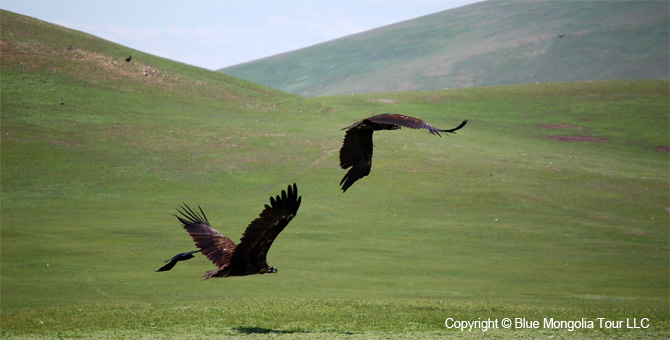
x=550 y=202
x=488 y=43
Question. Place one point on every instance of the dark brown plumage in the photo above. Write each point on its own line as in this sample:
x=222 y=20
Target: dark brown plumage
x=129 y=59
x=179 y=257
x=249 y=256
x=356 y=151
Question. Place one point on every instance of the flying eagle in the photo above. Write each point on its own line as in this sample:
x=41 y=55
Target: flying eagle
x=356 y=151
x=247 y=257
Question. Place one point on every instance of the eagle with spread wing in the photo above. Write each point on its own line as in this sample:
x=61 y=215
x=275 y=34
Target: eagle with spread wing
x=356 y=151
x=249 y=256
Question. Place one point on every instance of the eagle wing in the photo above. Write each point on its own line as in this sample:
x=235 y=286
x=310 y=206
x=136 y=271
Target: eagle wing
x=168 y=266
x=410 y=122
x=356 y=152
x=179 y=257
x=261 y=232
x=216 y=247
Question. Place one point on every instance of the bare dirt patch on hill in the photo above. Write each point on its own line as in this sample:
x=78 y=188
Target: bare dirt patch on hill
x=573 y=138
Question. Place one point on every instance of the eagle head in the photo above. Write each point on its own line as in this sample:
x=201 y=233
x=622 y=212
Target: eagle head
x=269 y=269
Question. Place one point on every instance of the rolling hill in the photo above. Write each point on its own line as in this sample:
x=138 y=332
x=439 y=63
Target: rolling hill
x=551 y=202
x=483 y=44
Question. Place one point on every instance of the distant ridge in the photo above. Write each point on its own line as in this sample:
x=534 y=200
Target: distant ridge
x=483 y=44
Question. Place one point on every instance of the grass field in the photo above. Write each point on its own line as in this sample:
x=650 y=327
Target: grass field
x=551 y=203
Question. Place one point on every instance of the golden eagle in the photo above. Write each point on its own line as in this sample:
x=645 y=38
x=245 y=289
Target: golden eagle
x=356 y=151
x=249 y=256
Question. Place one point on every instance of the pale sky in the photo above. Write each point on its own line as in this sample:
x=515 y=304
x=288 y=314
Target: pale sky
x=216 y=34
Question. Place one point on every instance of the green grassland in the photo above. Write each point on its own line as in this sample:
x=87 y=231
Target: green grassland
x=505 y=219
x=482 y=44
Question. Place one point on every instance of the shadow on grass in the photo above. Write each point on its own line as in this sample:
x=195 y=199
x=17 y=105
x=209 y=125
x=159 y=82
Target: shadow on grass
x=261 y=330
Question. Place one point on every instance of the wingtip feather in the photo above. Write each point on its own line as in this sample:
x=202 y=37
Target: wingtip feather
x=456 y=128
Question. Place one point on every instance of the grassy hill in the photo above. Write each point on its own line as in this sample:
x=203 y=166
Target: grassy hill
x=551 y=203
x=487 y=43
